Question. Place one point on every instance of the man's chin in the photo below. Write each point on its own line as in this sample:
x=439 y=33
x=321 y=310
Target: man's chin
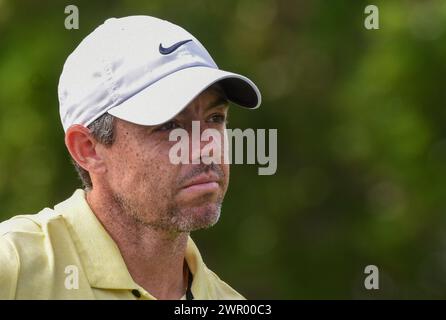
x=198 y=217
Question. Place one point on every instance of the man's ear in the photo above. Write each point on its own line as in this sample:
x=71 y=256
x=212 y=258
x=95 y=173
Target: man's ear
x=82 y=147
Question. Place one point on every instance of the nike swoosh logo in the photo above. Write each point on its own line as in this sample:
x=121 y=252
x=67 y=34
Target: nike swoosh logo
x=173 y=47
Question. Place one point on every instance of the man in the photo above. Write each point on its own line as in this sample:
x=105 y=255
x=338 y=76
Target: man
x=126 y=235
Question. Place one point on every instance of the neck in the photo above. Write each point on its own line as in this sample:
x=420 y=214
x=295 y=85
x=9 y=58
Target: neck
x=155 y=258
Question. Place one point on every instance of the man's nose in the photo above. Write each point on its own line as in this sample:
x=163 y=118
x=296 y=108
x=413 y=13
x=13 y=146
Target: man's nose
x=195 y=143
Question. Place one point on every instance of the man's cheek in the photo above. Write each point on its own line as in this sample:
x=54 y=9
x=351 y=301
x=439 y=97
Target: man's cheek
x=225 y=169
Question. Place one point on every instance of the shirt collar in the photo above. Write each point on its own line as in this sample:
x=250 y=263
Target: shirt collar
x=102 y=261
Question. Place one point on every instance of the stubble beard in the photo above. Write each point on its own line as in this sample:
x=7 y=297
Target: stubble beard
x=174 y=219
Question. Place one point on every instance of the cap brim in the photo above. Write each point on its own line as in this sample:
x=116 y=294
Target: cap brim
x=165 y=98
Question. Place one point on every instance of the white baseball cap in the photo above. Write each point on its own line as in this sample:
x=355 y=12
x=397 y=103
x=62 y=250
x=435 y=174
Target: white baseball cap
x=143 y=70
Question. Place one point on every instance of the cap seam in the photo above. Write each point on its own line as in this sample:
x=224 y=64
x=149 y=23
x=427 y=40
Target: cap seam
x=110 y=80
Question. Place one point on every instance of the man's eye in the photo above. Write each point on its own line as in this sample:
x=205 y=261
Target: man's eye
x=218 y=118
x=168 y=126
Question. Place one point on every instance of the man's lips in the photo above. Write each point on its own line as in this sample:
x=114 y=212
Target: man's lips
x=202 y=179
x=203 y=182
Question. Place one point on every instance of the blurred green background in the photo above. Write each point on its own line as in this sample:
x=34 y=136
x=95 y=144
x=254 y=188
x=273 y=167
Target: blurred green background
x=361 y=121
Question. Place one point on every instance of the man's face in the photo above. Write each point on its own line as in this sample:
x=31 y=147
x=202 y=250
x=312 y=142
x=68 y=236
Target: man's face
x=155 y=192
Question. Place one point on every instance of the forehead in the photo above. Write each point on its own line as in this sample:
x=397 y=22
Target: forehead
x=216 y=89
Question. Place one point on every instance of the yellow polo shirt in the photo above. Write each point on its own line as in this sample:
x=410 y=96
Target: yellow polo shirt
x=65 y=253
